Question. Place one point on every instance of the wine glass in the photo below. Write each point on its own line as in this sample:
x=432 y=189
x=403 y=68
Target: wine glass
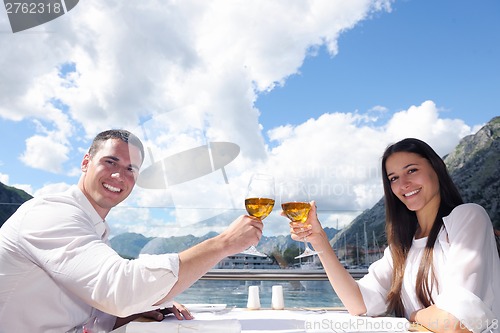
x=294 y=198
x=259 y=201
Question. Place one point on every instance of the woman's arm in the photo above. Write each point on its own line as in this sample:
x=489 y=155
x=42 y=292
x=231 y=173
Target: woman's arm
x=437 y=320
x=342 y=282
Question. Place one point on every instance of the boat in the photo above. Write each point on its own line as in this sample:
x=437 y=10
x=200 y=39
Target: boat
x=247 y=261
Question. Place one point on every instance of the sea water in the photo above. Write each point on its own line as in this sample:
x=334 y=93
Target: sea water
x=297 y=294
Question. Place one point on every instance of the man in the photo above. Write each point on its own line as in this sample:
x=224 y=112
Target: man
x=57 y=270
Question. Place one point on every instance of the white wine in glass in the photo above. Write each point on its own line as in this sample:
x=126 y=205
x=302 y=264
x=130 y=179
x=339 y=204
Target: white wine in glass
x=296 y=211
x=259 y=207
x=259 y=201
x=295 y=204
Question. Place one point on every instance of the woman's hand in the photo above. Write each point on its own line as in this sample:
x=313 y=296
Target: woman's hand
x=436 y=320
x=311 y=229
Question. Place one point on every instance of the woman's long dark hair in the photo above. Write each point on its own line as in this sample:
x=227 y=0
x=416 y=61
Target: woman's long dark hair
x=401 y=225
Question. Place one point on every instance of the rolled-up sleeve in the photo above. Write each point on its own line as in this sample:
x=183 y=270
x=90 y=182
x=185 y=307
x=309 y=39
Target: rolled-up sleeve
x=469 y=281
x=132 y=286
x=375 y=285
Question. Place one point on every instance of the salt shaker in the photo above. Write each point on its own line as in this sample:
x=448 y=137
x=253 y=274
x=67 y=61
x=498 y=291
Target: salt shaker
x=253 y=298
x=277 y=300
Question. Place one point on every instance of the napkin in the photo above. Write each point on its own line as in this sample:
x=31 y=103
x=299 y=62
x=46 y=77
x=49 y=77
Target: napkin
x=205 y=307
x=185 y=326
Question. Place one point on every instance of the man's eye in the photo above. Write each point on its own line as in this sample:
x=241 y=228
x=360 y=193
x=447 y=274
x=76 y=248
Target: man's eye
x=110 y=163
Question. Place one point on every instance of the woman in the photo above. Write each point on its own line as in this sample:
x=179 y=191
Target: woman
x=441 y=268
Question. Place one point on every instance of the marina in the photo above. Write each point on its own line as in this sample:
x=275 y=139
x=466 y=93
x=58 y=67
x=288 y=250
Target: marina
x=234 y=293
x=302 y=288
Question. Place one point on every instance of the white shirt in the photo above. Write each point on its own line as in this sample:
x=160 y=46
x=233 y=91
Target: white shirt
x=467 y=269
x=57 y=270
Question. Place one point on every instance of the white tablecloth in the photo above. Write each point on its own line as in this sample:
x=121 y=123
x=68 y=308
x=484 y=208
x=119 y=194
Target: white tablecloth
x=273 y=321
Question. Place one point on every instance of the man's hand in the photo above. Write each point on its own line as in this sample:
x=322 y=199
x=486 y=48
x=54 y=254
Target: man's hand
x=242 y=233
x=178 y=310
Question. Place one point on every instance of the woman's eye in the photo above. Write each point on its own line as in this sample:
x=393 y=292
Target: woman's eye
x=393 y=179
x=412 y=170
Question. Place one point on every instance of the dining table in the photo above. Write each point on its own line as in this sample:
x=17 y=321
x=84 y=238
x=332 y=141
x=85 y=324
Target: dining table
x=218 y=318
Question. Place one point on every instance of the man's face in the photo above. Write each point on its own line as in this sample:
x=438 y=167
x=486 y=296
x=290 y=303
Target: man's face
x=110 y=174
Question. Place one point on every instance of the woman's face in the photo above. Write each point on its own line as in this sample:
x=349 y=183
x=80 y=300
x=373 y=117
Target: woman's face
x=413 y=181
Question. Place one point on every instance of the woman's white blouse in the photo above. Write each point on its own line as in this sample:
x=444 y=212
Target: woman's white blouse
x=467 y=269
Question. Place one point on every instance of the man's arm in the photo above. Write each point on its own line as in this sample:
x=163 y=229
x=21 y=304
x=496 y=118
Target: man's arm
x=199 y=259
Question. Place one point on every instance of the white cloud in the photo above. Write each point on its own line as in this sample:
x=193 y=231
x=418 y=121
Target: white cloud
x=52 y=188
x=132 y=60
x=44 y=152
x=423 y=122
x=4 y=178
x=337 y=154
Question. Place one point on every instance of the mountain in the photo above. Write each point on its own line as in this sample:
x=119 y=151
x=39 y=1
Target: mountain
x=10 y=199
x=173 y=244
x=268 y=245
x=473 y=165
x=129 y=245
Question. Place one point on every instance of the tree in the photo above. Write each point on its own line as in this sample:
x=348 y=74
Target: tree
x=290 y=253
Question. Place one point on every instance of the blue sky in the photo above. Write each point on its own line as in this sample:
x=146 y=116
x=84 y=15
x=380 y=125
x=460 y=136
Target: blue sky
x=314 y=90
x=445 y=51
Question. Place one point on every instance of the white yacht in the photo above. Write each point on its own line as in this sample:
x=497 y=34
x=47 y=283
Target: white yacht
x=247 y=261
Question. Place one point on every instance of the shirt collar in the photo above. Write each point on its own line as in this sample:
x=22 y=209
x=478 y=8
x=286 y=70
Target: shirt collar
x=100 y=225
